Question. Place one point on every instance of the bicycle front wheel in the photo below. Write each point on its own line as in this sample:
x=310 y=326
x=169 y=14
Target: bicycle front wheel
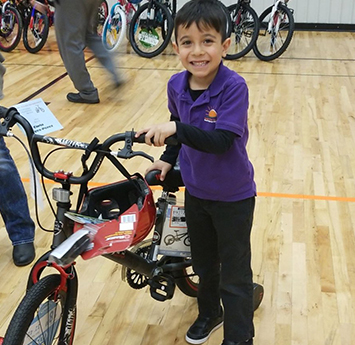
x=114 y=28
x=276 y=31
x=35 y=31
x=151 y=29
x=245 y=27
x=10 y=29
x=46 y=315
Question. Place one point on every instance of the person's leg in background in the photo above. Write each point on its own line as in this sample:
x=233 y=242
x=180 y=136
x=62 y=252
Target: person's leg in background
x=71 y=22
x=93 y=41
x=74 y=31
x=14 y=209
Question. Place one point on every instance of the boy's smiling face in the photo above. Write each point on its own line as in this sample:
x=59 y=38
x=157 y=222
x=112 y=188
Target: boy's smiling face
x=200 y=52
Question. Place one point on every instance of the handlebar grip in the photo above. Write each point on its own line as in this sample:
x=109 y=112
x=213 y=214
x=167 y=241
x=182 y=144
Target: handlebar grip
x=168 y=141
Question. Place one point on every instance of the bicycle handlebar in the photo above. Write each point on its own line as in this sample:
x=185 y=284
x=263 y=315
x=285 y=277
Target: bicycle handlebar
x=11 y=117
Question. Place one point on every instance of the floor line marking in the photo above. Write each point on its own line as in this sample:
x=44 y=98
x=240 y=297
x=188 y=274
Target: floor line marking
x=260 y=194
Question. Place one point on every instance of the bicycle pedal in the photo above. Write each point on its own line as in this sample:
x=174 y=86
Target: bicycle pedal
x=162 y=287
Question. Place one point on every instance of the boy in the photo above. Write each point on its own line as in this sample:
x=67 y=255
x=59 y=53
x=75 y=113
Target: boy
x=209 y=104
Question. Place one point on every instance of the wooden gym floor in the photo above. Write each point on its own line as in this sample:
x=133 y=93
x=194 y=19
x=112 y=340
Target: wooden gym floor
x=302 y=135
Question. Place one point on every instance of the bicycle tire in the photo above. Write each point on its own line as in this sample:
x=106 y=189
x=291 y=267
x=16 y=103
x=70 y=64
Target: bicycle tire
x=228 y=19
x=10 y=34
x=114 y=29
x=244 y=30
x=102 y=14
x=151 y=29
x=263 y=46
x=186 y=280
x=34 y=39
x=30 y=323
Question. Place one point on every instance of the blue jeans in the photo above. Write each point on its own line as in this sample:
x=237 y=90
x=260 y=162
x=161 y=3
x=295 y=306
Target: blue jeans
x=13 y=200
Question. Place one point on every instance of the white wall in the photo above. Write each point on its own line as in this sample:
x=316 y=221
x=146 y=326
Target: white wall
x=310 y=11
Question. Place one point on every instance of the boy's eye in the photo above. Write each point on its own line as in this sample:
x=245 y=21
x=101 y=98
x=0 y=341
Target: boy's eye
x=208 y=41
x=186 y=42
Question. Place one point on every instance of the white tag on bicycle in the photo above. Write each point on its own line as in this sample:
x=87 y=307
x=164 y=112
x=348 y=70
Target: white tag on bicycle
x=35 y=185
x=39 y=116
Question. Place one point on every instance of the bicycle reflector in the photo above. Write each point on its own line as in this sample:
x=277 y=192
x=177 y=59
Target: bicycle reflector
x=119 y=215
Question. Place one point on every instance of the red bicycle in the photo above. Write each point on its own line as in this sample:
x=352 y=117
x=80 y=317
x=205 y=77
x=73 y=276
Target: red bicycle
x=113 y=221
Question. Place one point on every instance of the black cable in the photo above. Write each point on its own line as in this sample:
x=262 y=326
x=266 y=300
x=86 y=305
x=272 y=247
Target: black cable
x=34 y=184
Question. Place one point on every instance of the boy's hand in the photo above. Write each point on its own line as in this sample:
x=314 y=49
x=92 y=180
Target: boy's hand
x=158 y=132
x=164 y=167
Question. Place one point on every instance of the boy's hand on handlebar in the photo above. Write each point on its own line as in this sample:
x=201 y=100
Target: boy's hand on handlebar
x=156 y=134
x=164 y=167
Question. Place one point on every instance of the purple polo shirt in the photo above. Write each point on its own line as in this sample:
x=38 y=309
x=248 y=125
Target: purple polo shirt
x=224 y=105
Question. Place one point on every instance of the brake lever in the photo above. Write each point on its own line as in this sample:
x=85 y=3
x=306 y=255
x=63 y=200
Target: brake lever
x=127 y=152
x=143 y=154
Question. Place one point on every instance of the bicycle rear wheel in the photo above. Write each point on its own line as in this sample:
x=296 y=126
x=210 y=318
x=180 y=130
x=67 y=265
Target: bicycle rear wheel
x=245 y=28
x=46 y=315
x=35 y=31
x=114 y=28
x=151 y=29
x=10 y=29
x=274 y=40
x=186 y=279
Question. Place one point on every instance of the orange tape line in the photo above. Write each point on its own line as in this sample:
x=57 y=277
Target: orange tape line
x=262 y=194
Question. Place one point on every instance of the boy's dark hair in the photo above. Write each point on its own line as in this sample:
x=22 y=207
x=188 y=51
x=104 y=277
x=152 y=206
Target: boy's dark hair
x=204 y=13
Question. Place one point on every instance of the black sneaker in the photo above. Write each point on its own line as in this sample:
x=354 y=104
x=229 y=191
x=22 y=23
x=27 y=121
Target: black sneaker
x=202 y=328
x=76 y=98
x=23 y=254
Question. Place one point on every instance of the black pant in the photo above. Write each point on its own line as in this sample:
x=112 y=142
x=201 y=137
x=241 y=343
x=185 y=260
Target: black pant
x=220 y=248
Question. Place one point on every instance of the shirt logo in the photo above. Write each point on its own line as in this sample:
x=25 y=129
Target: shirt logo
x=211 y=115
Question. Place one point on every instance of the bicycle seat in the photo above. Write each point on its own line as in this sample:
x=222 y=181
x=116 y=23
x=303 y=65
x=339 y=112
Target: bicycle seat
x=172 y=180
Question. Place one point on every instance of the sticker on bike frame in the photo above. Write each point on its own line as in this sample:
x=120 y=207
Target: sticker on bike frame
x=44 y=326
x=148 y=39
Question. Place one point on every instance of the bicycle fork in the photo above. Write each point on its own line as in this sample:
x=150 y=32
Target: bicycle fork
x=3 y=11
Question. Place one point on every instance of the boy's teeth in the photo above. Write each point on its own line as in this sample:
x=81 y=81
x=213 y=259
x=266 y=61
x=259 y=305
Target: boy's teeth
x=199 y=63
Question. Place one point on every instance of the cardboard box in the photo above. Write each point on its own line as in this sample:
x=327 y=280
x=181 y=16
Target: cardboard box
x=175 y=239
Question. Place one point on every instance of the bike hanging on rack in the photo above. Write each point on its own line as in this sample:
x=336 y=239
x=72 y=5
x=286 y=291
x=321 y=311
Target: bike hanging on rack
x=117 y=23
x=276 y=30
x=113 y=220
x=244 y=30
